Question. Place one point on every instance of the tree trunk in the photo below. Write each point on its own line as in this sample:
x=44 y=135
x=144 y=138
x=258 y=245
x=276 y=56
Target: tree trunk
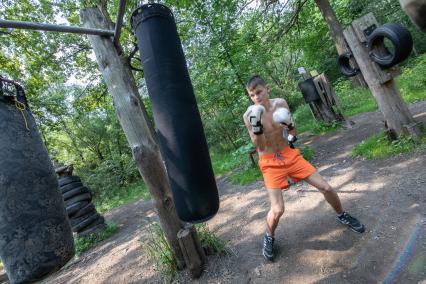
x=336 y=32
x=132 y=116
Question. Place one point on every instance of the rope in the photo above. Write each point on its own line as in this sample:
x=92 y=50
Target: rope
x=21 y=107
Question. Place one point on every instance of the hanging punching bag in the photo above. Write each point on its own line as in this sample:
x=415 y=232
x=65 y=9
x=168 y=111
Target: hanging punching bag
x=179 y=128
x=35 y=235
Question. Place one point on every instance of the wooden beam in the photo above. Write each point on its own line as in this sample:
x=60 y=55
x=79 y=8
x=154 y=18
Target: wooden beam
x=379 y=81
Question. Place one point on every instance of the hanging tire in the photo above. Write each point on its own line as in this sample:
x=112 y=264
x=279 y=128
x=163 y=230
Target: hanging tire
x=88 y=208
x=78 y=198
x=75 y=191
x=90 y=230
x=86 y=222
x=71 y=209
x=399 y=37
x=68 y=179
x=71 y=186
x=344 y=64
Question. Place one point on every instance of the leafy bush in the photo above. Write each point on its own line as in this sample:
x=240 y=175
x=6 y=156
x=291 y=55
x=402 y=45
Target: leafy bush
x=119 y=196
x=109 y=175
x=82 y=244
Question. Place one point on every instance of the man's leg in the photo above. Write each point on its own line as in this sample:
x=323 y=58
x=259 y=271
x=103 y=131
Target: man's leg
x=272 y=219
x=333 y=199
x=325 y=188
x=276 y=211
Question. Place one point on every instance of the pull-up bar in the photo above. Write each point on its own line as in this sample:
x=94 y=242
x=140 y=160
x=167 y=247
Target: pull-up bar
x=70 y=29
x=53 y=28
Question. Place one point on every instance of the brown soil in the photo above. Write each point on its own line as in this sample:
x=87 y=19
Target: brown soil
x=388 y=195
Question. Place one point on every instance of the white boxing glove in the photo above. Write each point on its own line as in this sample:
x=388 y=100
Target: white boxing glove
x=254 y=115
x=282 y=115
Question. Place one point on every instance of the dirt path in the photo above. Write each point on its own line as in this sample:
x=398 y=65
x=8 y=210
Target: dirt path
x=389 y=196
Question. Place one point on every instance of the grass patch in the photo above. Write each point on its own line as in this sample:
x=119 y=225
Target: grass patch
x=159 y=251
x=215 y=244
x=121 y=196
x=85 y=243
x=378 y=146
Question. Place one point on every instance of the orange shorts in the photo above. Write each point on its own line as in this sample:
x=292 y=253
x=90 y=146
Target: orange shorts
x=276 y=168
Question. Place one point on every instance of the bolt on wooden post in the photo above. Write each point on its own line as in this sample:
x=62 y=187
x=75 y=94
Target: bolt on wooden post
x=380 y=81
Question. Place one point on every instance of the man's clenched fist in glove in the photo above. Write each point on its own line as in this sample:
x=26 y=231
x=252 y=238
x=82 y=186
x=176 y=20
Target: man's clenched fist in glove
x=254 y=115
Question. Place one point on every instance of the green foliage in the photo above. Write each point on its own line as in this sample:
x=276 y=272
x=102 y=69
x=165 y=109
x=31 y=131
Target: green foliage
x=354 y=101
x=116 y=197
x=83 y=244
x=159 y=251
x=412 y=82
x=238 y=163
x=307 y=152
x=211 y=241
x=246 y=175
x=378 y=146
x=306 y=122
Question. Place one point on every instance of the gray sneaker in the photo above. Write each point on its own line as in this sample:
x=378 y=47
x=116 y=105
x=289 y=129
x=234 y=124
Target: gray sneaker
x=268 y=247
x=352 y=222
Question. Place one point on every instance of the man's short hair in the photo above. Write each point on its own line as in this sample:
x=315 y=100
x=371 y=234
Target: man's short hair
x=254 y=81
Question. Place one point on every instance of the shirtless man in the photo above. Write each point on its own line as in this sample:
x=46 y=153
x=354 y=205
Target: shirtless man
x=278 y=160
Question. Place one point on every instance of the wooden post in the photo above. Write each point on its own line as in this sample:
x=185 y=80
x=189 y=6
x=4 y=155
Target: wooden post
x=192 y=250
x=132 y=116
x=380 y=82
x=323 y=109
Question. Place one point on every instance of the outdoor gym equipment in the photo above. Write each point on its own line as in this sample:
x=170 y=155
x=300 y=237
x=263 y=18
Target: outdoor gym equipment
x=177 y=119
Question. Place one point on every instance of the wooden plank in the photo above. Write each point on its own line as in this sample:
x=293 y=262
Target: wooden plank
x=364 y=26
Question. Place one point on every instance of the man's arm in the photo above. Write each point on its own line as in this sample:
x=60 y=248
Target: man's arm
x=283 y=103
x=258 y=140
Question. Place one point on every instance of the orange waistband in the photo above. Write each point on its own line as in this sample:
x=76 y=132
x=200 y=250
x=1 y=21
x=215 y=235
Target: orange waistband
x=273 y=155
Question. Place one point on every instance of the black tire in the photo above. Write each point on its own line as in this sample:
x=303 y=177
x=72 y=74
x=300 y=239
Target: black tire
x=75 y=191
x=86 y=222
x=71 y=209
x=80 y=197
x=399 y=37
x=77 y=220
x=88 y=208
x=90 y=230
x=70 y=186
x=68 y=179
x=345 y=67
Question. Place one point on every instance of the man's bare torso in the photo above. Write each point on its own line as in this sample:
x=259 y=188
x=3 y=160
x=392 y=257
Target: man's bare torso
x=273 y=131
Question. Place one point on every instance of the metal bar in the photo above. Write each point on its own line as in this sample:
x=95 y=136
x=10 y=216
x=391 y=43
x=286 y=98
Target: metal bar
x=53 y=28
x=119 y=22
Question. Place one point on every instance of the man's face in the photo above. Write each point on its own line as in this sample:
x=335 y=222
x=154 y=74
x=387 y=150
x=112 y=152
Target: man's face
x=259 y=94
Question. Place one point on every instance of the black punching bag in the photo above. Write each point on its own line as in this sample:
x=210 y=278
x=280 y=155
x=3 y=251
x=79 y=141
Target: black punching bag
x=179 y=128
x=309 y=92
x=35 y=235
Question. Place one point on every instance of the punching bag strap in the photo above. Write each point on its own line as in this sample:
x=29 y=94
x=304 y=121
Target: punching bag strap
x=21 y=107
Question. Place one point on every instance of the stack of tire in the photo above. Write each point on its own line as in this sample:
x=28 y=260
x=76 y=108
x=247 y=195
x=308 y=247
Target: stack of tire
x=82 y=214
